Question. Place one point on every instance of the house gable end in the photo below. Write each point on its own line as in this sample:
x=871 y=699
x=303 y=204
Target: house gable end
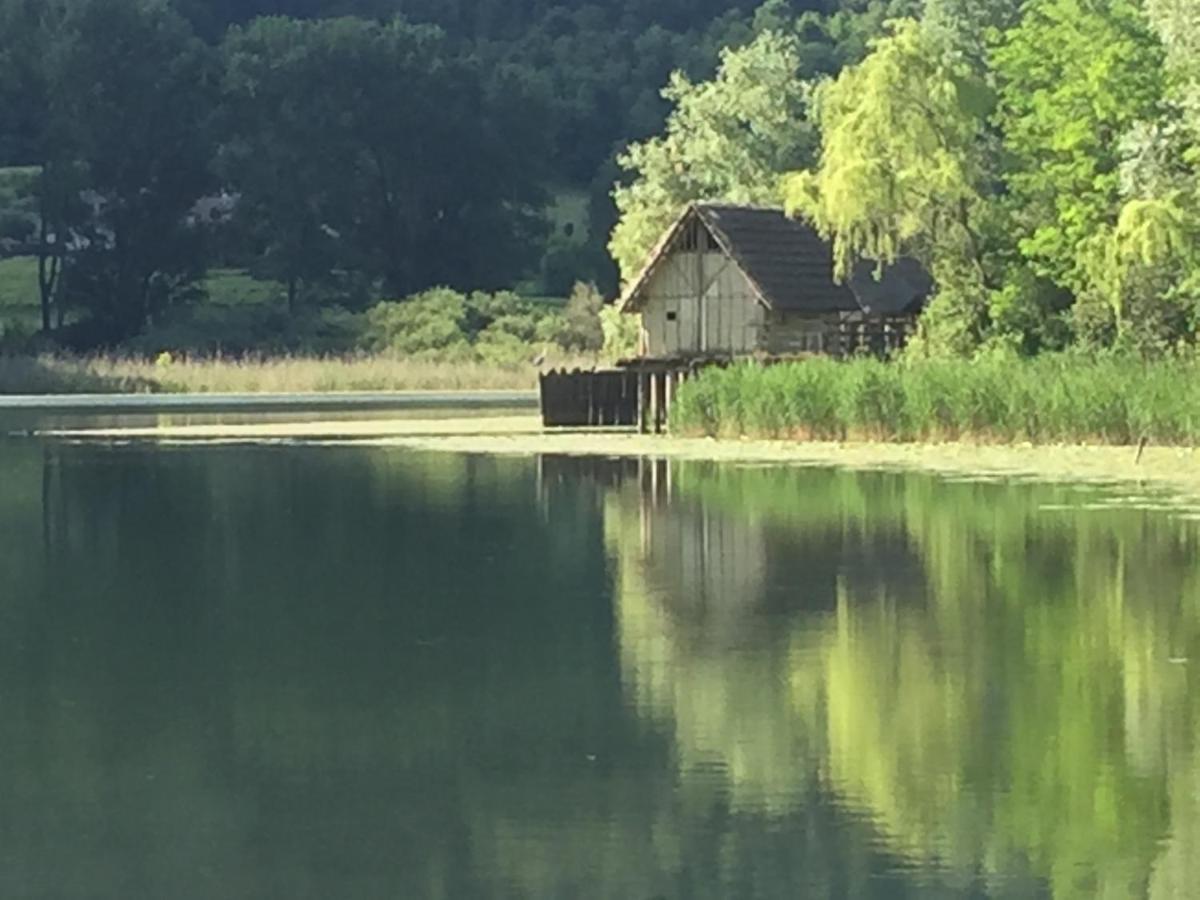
x=690 y=233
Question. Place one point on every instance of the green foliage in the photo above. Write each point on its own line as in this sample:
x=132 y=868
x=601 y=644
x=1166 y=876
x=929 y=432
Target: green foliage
x=995 y=397
x=901 y=161
x=581 y=329
x=435 y=190
x=1043 y=160
x=730 y=139
x=18 y=209
x=1074 y=77
x=140 y=136
x=622 y=333
x=1177 y=24
x=445 y=324
x=435 y=320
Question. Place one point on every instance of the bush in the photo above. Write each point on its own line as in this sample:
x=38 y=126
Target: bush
x=580 y=328
x=434 y=320
x=622 y=333
x=497 y=328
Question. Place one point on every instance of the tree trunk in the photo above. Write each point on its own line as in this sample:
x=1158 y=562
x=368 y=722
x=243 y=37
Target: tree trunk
x=49 y=266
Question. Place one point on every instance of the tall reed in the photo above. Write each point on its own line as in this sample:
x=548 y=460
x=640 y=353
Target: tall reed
x=52 y=374
x=1050 y=399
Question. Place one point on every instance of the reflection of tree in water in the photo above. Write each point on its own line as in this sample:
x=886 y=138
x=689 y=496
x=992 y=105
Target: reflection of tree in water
x=1007 y=706
x=366 y=670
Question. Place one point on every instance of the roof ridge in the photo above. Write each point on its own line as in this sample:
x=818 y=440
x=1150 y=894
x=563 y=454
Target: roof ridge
x=753 y=207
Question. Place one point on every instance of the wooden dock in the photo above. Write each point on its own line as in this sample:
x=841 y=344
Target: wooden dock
x=635 y=396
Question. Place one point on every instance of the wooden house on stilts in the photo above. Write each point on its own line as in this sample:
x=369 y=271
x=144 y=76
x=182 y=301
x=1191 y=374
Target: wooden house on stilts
x=737 y=282
x=733 y=281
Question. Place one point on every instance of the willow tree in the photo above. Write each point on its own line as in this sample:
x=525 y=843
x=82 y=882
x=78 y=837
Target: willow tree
x=900 y=166
x=730 y=139
x=903 y=169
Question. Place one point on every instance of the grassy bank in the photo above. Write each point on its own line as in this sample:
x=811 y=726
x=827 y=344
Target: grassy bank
x=290 y=374
x=1048 y=400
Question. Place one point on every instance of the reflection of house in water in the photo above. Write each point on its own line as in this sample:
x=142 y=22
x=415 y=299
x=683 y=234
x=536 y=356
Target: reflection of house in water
x=707 y=553
x=723 y=619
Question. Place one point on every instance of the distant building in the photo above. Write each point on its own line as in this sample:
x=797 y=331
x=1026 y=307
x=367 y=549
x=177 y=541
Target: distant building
x=730 y=281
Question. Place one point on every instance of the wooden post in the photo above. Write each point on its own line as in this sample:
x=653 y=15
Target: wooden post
x=668 y=395
x=643 y=402
x=654 y=402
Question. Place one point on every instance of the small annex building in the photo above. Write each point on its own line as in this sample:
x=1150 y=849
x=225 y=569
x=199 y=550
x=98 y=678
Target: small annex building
x=728 y=281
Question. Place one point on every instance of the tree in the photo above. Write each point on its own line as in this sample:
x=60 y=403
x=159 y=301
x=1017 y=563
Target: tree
x=1074 y=78
x=581 y=328
x=961 y=27
x=132 y=83
x=901 y=167
x=1177 y=24
x=373 y=148
x=37 y=130
x=278 y=156
x=730 y=139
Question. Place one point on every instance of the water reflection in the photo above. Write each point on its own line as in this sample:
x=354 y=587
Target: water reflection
x=1004 y=691
x=312 y=672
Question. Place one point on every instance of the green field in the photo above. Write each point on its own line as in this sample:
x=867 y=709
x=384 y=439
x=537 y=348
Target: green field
x=19 y=302
x=231 y=296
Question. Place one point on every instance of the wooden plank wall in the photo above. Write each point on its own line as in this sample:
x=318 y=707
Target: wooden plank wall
x=734 y=317
x=584 y=399
x=700 y=302
x=617 y=398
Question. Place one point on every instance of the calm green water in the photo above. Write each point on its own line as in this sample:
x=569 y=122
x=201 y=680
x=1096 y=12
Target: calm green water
x=323 y=672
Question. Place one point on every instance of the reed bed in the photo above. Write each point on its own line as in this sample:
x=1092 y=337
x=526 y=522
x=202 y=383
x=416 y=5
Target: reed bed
x=1047 y=400
x=290 y=374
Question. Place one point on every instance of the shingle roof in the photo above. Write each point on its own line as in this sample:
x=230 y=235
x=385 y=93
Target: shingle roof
x=792 y=266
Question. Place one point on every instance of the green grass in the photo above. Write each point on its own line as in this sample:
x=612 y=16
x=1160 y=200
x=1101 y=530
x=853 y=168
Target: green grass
x=236 y=287
x=20 y=300
x=225 y=287
x=18 y=284
x=1051 y=399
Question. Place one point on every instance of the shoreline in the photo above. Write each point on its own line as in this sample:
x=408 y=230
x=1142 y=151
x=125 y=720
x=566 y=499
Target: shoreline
x=271 y=402
x=1173 y=468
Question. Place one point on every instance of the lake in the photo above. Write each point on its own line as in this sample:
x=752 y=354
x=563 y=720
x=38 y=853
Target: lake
x=335 y=671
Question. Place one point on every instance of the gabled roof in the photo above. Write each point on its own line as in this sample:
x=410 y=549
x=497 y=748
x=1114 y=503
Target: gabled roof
x=790 y=265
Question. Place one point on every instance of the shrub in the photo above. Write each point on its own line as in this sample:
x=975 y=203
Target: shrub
x=434 y=320
x=581 y=329
x=622 y=333
x=497 y=328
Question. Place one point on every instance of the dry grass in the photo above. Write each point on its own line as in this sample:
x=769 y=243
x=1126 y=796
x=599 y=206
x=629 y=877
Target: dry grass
x=278 y=375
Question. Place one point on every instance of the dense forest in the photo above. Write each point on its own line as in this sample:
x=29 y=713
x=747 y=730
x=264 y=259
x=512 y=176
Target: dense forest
x=347 y=151
x=1040 y=158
